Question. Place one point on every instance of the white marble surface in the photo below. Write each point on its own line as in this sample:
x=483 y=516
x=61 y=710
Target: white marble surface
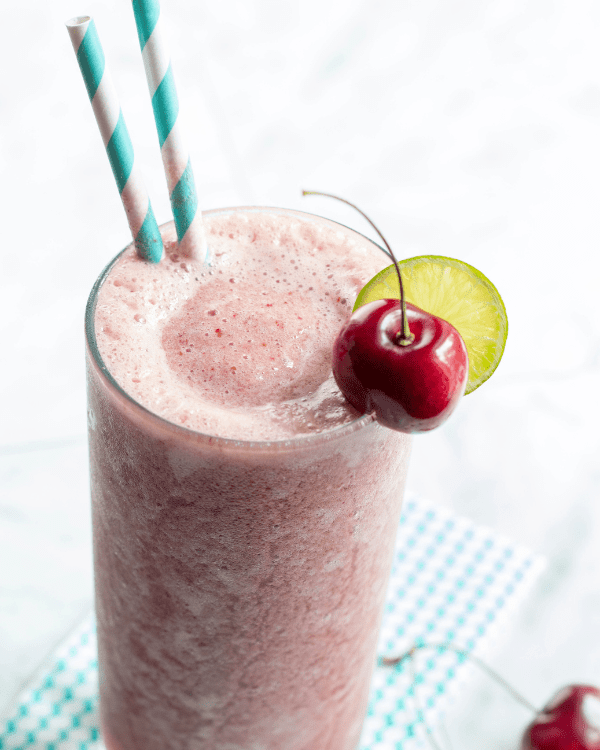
x=465 y=128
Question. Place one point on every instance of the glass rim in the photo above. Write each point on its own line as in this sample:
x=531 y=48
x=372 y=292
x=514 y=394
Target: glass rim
x=307 y=440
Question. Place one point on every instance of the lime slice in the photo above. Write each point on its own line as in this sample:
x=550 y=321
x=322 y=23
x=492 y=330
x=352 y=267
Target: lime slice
x=456 y=292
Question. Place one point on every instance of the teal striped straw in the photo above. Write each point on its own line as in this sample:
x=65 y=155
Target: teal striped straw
x=105 y=103
x=175 y=156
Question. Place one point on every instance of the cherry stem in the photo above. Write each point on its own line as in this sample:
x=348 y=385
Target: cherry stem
x=392 y=662
x=405 y=337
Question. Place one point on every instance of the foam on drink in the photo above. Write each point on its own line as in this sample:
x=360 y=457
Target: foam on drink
x=240 y=348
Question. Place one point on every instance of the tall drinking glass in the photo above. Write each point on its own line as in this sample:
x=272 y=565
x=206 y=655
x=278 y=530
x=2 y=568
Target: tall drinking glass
x=239 y=584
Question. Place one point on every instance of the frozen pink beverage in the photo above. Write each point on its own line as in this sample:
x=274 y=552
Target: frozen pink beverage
x=244 y=514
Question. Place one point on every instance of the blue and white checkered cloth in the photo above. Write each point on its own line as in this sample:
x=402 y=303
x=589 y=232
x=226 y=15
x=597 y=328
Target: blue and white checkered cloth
x=452 y=582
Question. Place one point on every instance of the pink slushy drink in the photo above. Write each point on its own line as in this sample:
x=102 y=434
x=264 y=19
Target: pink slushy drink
x=244 y=514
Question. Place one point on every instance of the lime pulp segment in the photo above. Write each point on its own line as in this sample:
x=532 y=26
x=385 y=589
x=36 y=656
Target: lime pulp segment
x=457 y=292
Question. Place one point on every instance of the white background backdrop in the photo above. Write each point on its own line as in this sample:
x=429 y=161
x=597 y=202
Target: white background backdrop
x=468 y=128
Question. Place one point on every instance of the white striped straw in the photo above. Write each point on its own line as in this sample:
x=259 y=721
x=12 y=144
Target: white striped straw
x=175 y=156
x=105 y=103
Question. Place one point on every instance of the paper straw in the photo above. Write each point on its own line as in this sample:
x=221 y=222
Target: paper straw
x=105 y=103
x=175 y=156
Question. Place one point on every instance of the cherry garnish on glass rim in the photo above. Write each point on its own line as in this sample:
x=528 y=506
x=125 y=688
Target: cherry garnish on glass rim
x=407 y=366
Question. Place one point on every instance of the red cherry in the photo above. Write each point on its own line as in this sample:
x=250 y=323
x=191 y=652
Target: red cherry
x=412 y=387
x=570 y=721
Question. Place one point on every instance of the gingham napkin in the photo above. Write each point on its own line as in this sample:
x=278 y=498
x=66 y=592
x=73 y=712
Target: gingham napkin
x=452 y=582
